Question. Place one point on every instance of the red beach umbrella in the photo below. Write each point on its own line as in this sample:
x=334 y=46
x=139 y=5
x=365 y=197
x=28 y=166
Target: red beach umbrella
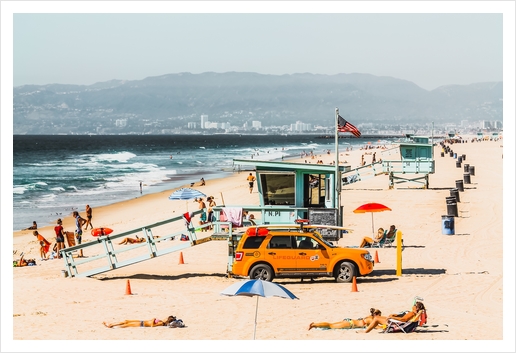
x=372 y=208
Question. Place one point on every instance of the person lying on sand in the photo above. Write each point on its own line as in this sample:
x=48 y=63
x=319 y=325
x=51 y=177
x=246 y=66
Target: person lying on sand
x=22 y=262
x=406 y=316
x=141 y=323
x=132 y=241
x=348 y=323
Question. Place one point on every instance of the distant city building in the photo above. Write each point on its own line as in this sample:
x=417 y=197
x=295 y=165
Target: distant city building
x=121 y=122
x=257 y=124
x=204 y=121
x=498 y=124
x=300 y=127
x=192 y=125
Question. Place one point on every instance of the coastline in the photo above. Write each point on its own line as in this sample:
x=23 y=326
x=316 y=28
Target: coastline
x=460 y=277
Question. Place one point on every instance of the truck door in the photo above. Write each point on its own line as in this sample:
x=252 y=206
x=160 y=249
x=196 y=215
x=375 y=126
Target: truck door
x=312 y=257
x=281 y=254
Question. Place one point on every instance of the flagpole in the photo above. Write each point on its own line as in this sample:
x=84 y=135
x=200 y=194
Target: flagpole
x=337 y=181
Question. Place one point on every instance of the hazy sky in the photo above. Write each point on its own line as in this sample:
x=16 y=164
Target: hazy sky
x=428 y=49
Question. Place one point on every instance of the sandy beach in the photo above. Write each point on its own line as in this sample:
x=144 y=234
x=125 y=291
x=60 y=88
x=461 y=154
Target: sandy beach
x=466 y=279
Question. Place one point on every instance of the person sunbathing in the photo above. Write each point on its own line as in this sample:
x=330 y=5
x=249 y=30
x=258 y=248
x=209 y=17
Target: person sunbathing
x=132 y=241
x=22 y=262
x=141 y=323
x=368 y=242
x=404 y=317
x=347 y=323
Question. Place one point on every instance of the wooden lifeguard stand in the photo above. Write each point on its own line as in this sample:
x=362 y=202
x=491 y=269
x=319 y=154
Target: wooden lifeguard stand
x=415 y=164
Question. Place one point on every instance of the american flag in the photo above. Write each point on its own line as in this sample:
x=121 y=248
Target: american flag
x=346 y=126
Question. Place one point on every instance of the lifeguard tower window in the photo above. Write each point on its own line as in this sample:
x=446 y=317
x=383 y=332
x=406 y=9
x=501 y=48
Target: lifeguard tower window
x=278 y=188
x=314 y=190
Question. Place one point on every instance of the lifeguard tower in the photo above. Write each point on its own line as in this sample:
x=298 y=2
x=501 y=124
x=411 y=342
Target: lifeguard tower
x=291 y=191
x=414 y=162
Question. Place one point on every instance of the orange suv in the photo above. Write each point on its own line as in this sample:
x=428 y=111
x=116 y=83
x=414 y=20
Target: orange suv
x=266 y=253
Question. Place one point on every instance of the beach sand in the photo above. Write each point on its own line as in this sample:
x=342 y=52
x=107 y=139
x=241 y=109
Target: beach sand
x=460 y=277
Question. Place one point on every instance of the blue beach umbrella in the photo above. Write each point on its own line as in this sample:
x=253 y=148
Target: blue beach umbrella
x=258 y=288
x=186 y=194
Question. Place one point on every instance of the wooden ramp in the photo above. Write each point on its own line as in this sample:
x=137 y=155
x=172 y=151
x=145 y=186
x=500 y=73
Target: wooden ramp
x=104 y=253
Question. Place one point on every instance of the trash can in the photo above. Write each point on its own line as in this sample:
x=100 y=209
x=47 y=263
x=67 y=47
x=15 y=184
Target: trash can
x=442 y=154
x=455 y=193
x=467 y=178
x=459 y=184
x=463 y=157
x=451 y=206
x=455 y=155
x=466 y=168
x=471 y=170
x=448 y=225
x=458 y=164
x=459 y=158
x=451 y=153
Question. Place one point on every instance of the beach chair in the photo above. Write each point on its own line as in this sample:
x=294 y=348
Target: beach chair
x=394 y=325
x=386 y=242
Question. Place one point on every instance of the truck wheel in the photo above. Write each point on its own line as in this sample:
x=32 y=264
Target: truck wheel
x=262 y=271
x=344 y=272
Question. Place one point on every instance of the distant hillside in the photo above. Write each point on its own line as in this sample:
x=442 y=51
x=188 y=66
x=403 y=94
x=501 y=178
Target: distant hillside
x=271 y=99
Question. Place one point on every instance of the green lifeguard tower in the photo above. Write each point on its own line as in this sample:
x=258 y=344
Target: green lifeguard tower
x=415 y=164
x=290 y=191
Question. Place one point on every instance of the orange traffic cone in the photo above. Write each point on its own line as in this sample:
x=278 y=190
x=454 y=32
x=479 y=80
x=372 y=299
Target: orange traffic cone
x=128 y=288
x=354 y=286
x=376 y=259
x=181 y=261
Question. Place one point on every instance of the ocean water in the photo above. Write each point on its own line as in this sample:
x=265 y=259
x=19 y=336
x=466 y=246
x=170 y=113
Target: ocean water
x=55 y=175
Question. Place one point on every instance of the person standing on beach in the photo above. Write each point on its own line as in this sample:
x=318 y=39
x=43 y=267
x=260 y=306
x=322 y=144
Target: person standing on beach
x=88 y=217
x=140 y=187
x=59 y=237
x=211 y=204
x=202 y=206
x=251 y=178
x=44 y=245
x=79 y=221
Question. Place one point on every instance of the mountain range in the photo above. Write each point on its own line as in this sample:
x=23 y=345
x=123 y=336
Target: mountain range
x=173 y=100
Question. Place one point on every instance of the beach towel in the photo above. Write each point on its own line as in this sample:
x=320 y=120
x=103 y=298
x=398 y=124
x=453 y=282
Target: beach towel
x=70 y=238
x=233 y=215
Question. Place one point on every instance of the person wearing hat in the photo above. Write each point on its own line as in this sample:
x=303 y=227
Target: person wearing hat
x=59 y=237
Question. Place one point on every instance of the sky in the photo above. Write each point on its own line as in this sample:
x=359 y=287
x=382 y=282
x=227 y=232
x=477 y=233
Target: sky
x=431 y=44
x=428 y=49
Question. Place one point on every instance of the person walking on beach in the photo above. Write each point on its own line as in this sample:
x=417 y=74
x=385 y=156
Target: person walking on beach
x=79 y=221
x=251 y=178
x=44 y=245
x=88 y=217
x=140 y=187
x=58 y=229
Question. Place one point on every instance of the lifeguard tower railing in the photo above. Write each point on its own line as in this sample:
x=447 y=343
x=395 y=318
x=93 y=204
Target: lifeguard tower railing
x=104 y=253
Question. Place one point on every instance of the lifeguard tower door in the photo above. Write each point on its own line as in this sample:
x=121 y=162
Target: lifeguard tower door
x=314 y=190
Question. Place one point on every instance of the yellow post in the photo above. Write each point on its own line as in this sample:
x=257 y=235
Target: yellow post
x=399 y=244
